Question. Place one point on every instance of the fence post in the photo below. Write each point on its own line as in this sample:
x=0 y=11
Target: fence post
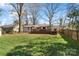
x=70 y=33
x=77 y=34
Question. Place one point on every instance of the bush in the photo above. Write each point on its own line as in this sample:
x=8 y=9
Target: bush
x=7 y=30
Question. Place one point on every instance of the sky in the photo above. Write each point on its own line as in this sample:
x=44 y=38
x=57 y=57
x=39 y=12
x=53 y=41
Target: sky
x=7 y=18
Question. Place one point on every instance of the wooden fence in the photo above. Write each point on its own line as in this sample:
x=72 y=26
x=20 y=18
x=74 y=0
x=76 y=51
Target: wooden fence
x=74 y=34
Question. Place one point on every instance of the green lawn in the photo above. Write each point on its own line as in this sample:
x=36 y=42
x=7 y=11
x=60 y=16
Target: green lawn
x=37 y=45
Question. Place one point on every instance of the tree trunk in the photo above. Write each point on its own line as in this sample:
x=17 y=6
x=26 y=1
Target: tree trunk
x=19 y=23
x=50 y=24
x=34 y=20
x=34 y=23
x=21 y=5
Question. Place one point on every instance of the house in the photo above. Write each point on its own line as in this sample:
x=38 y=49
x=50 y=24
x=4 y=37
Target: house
x=7 y=28
x=36 y=28
x=16 y=28
x=41 y=29
x=10 y=28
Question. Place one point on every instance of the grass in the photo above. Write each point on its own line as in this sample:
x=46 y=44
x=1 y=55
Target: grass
x=37 y=45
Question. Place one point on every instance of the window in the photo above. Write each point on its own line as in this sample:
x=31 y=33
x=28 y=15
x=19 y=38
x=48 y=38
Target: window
x=44 y=27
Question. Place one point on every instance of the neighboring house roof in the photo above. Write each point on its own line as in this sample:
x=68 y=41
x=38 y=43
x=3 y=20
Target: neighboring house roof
x=35 y=25
x=7 y=26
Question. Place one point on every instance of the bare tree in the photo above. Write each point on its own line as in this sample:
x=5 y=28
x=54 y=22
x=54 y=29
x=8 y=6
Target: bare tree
x=61 y=22
x=18 y=8
x=73 y=13
x=50 y=10
x=15 y=22
x=34 y=11
x=70 y=10
x=26 y=14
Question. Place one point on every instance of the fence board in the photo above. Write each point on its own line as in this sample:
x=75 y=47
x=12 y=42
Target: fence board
x=74 y=34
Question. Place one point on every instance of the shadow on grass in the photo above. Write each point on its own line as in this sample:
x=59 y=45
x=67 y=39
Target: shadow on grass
x=71 y=42
x=44 y=49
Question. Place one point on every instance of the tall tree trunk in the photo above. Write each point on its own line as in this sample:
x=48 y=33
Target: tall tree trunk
x=19 y=23
x=20 y=12
x=50 y=25
x=34 y=20
x=18 y=7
